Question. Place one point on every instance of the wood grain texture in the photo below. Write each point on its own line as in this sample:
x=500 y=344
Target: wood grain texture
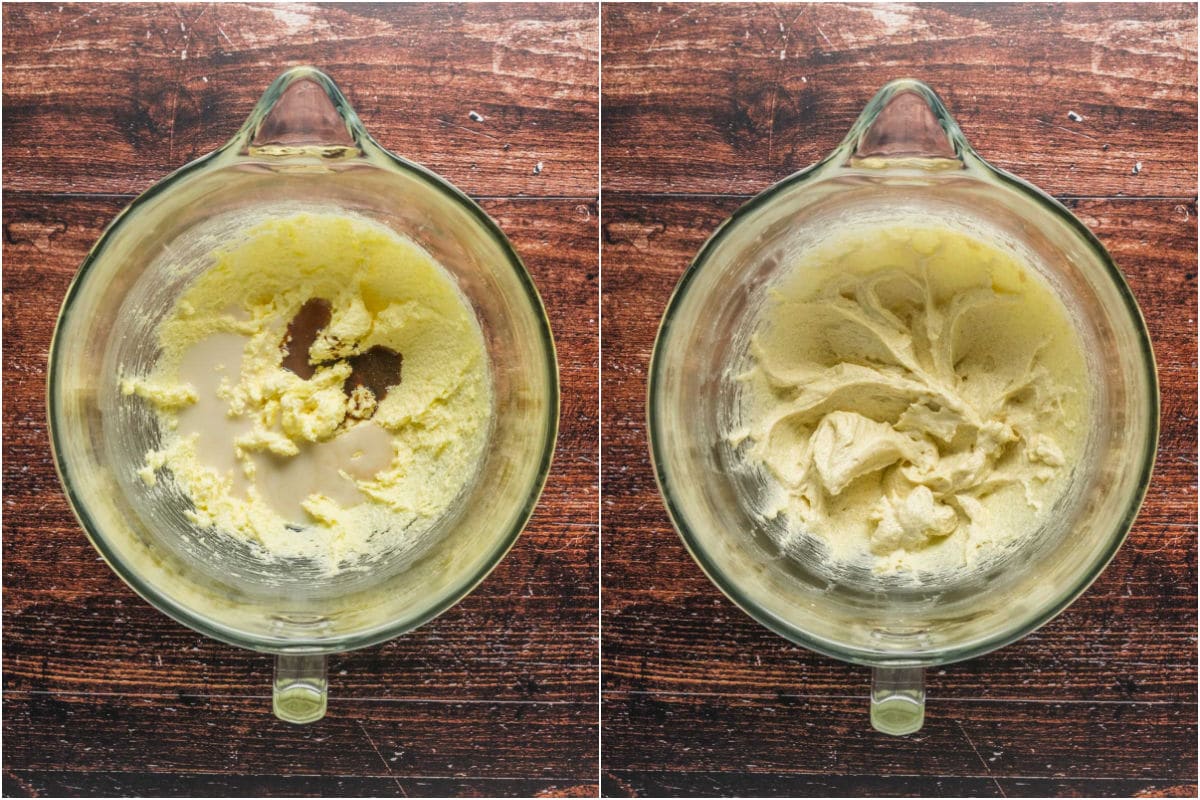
x=446 y=739
x=759 y=91
x=110 y=99
x=766 y=784
x=104 y=695
x=698 y=698
x=220 y=784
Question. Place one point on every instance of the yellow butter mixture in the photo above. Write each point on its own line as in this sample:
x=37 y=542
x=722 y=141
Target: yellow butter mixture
x=323 y=391
x=918 y=397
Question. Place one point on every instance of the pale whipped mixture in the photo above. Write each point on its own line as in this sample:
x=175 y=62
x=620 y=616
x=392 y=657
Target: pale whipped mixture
x=323 y=391
x=918 y=396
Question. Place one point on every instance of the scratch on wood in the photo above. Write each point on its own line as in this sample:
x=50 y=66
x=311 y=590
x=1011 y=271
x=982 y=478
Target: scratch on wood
x=1068 y=130
x=771 y=121
x=70 y=22
x=669 y=24
x=982 y=762
x=83 y=16
x=171 y=136
x=468 y=130
x=791 y=25
x=382 y=760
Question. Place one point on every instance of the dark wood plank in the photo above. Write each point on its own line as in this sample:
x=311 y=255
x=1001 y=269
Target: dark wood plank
x=399 y=740
x=1041 y=787
x=723 y=784
x=963 y=738
x=21 y=783
x=665 y=783
x=110 y=98
x=757 y=91
x=1125 y=651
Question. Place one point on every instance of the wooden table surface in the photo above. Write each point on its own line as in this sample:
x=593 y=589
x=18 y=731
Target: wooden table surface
x=103 y=694
x=704 y=106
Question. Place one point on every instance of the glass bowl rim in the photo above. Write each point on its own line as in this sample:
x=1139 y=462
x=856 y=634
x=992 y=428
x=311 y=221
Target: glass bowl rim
x=977 y=169
x=384 y=160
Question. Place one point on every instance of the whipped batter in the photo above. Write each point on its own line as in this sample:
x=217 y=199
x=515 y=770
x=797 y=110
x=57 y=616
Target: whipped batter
x=918 y=396
x=322 y=389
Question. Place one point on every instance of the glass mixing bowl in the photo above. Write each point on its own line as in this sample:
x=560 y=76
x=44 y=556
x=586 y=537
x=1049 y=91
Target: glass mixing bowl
x=302 y=147
x=904 y=158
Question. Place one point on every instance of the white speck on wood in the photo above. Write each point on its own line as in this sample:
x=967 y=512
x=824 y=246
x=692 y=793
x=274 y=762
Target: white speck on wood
x=475 y=116
x=1071 y=115
x=1137 y=168
x=537 y=168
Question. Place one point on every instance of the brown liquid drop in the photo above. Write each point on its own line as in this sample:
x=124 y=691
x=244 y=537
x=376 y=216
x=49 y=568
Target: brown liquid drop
x=378 y=369
x=302 y=331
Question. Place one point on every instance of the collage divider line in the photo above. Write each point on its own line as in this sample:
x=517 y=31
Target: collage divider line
x=599 y=397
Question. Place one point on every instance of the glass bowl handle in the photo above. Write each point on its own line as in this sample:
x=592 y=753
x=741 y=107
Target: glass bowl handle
x=906 y=126
x=302 y=116
x=897 y=700
x=301 y=688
